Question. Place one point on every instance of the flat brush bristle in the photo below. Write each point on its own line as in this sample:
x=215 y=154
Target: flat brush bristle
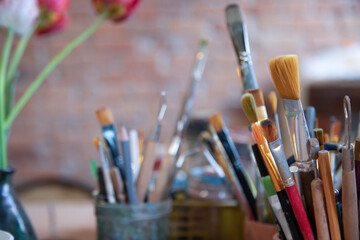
x=249 y=107
x=104 y=116
x=258 y=134
x=258 y=96
x=273 y=101
x=319 y=134
x=269 y=130
x=217 y=122
x=285 y=74
x=233 y=14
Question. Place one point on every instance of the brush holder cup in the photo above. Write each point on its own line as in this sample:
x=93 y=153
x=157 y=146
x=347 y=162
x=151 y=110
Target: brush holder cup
x=147 y=221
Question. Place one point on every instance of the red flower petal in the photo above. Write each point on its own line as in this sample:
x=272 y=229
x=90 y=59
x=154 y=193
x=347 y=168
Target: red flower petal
x=58 y=25
x=59 y=6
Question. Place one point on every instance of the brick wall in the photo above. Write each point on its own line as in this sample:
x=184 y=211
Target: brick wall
x=126 y=66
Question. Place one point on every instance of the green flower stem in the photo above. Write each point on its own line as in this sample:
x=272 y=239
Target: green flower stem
x=3 y=65
x=19 y=52
x=50 y=67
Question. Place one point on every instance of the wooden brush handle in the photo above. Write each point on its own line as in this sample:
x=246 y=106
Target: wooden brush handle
x=118 y=185
x=162 y=184
x=322 y=227
x=299 y=212
x=146 y=170
x=325 y=173
x=349 y=206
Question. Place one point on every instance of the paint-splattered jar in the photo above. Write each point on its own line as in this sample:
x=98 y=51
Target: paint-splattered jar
x=148 y=221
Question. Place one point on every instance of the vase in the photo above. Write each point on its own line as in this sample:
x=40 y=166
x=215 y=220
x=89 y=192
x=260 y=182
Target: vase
x=13 y=218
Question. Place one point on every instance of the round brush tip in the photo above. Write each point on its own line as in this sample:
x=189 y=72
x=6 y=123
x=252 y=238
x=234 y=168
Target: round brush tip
x=105 y=116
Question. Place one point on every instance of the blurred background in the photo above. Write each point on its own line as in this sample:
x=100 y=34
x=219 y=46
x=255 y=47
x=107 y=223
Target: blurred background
x=126 y=66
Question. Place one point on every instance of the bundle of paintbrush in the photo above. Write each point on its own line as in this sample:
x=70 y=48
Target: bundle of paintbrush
x=123 y=176
x=306 y=189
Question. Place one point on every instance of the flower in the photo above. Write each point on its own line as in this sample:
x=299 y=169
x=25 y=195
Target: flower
x=18 y=15
x=118 y=9
x=52 y=15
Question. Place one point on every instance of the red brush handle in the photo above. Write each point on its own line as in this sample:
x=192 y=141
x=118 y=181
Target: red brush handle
x=299 y=212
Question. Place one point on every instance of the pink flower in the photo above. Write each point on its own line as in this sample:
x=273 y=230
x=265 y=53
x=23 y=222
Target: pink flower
x=119 y=9
x=52 y=15
x=19 y=15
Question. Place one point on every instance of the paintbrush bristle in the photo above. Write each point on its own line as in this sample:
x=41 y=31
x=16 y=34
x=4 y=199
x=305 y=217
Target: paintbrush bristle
x=249 y=107
x=258 y=134
x=319 y=135
x=269 y=130
x=217 y=122
x=104 y=116
x=285 y=73
x=233 y=14
x=96 y=141
x=273 y=101
x=258 y=97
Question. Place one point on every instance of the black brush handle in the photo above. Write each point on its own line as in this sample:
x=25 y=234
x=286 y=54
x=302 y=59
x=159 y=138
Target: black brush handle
x=306 y=179
x=234 y=158
x=102 y=189
x=111 y=138
x=289 y=215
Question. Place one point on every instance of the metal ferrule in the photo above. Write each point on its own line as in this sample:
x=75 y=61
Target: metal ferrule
x=155 y=135
x=297 y=128
x=174 y=145
x=271 y=167
x=347 y=158
x=277 y=151
x=276 y=118
x=245 y=58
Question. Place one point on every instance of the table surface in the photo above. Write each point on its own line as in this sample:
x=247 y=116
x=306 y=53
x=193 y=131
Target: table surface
x=63 y=220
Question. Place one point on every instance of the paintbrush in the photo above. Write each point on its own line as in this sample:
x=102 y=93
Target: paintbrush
x=214 y=144
x=239 y=37
x=117 y=184
x=146 y=169
x=349 y=193
x=322 y=227
x=296 y=176
x=324 y=167
x=109 y=132
x=273 y=103
x=102 y=189
x=129 y=182
x=271 y=192
x=319 y=135
x=110 y=196
x=285 y=73
x=335 y=131
x=310 y=115
x=276 y=148
x=218 y=124
x=249 y=107
x=134 y=150
x=168 y=166
x=276 y=180
x=260 y=104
